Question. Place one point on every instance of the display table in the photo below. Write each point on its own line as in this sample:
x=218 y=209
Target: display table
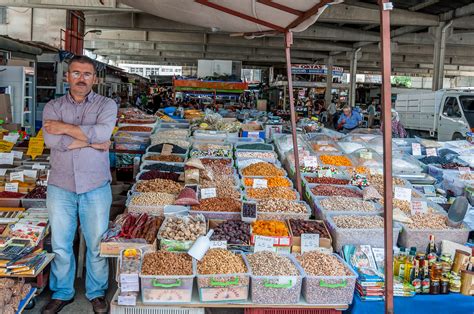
x=419 y=304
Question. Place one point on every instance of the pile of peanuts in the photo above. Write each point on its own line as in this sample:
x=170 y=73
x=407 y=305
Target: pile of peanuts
x=220 y=261
x=152 y=199
x=268 y=263
x=159 y=185
x=321 y=264
x=281 y=205
x=272 y=193
x=431 y=220
x=358 y=222
x=164 y=263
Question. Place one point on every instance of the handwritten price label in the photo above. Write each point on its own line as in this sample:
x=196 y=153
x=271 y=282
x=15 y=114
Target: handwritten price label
x=260 y=184
x=416 y=149
x=11 y=187
x=309 y=242
x=419 y=207
x=208 y=193
x=263 y=244
x=218 y=244
x=402 y=194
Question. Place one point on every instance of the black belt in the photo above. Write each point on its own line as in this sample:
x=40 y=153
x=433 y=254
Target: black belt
x=351 y=129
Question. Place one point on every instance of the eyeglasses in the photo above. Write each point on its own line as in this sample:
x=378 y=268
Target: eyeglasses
x=87 y=76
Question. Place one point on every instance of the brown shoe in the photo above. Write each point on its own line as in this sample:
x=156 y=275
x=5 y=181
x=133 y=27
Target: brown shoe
x=100 y=305
x=55 y=306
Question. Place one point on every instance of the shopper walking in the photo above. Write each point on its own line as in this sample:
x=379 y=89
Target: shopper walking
x=349 y=120
x=77 y=128
x=371 y=115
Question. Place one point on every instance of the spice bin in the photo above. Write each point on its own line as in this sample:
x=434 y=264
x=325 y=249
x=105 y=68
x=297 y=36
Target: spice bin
x=276 y=289
x=329 y=289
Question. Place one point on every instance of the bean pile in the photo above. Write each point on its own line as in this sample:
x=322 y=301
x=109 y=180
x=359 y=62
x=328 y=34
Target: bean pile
x=233 y=231
x=250 y=154
x=327 y=180
x=321 y=264
x=164 y=263
x=220 y=261
x=271 y=182
x=268 y=263
x=218 y=204
x=38 y=192
x=269 y=228
x=298 y=227
x=176 y=149
x=358 y=222
x=336 y=160
x=6 y=194
x=256 y=146
x=432 y=221
x=281 y=205
x=187 y=228
x=263 y=169
x=159 y=185
x=346 y=204
x=133 y=128
x=169 y=158
x=156 y=174
x=152 y=199
x=164 y=167
x=330 y=190
x=272 y=193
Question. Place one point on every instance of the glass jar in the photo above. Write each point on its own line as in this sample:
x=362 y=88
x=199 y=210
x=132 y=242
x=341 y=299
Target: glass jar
x=434 y=286
x=436 y=271
x=444 y=286
x=455 y=284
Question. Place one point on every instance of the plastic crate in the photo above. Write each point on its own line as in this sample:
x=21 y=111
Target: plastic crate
x=285 y=215
x=33 y=203
x=223 y=287
x=320 y=212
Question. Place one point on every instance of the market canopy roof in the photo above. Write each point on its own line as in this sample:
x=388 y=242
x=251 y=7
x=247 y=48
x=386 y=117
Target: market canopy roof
x=242 y=16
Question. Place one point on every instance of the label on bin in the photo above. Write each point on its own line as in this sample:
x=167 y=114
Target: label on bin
x=254 y=134
x=287 y=281
x=263 y=243
x=366 y=155
x=219 y=245
x=208 y=193
x=30 y=173
x=402 y=194
x=429 y=190
x=17 y=176
x=419 y=207
x=464 y=170
x=130 y=300
x=416 y=149
x=17 y=154
x=431 y=152
x=6 y=159
x=310 y=161
x=167 y=149
x=3 y=172
x=309 y=242
x=38 y=166
x=129 y=282
x=11 y=187
x=260 y=184
x=237 y=293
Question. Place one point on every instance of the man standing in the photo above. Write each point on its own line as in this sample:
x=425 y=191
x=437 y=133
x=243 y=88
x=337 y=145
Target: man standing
x=331 y=113
x=349 y=120
x=371 y=114
x=77 y=129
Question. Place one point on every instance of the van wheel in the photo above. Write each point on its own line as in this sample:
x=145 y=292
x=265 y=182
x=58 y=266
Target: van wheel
x=458 y=137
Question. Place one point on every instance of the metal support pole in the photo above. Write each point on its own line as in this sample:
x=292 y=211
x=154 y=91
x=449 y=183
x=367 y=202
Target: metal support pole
x=288 y=43
x=353 y=76
x=441 y=35
x=328 y=94
x=385 y=8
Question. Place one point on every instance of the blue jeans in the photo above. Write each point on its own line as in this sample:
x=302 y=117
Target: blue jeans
x=93 y=210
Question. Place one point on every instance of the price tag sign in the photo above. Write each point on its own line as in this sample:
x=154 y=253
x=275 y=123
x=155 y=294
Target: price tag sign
x=35 y=147
x=464 y=170
x=310 y=161
x=402 y=194
x=6 y=146
x=366 y=155
x=263 y=244
x=431 y=152
x=167 y=149
x=429 y=190
x=17 y=176
x=129 y=282
x=13 y=138
x=260 y=184
x=6 y=159
x=419 y=207
x=322 y=143
x=416 y=148
x=3 y=172
x=30 y=173
x=38 y=166
x=17 y=155
x=309 y=242
x=127 y=300
x=254 y=134
x=11 y=187
x=208 y=193
x=219 y=245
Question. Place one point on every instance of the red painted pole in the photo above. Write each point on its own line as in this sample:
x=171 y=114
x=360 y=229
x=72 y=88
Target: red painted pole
x=385 y=8
x=288 y=43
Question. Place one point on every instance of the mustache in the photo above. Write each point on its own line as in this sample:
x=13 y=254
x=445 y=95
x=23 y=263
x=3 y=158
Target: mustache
x=81 y=84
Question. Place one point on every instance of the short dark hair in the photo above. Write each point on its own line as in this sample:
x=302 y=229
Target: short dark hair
x=83 y=59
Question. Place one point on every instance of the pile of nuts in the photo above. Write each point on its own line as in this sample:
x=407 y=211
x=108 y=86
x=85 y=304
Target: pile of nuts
x=11 y=294
x=298 y=227
x=330 y=190
x=321 y=264
x=164 y=167
x=336 y=160
x=266 y=263
x=152 y=199
x=159 y=185
x=327 y=180
x=164 y=263
x=168 y=158
x=232 y=231
x=271 y=181
x=156 y=174
x=220 y=261
x=228 y=191
x=38 y=192
x=346 y=204
x=281 y=205
x=263 y=169
x=249 y=154
x=183 y=228
x=432 y=221
x=132 y=128
x=404 y=206
x=272 y=193
x=218 y=204
x=358 y=222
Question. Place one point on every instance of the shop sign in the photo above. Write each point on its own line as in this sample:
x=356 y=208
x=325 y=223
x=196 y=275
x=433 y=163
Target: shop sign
x=312 y=69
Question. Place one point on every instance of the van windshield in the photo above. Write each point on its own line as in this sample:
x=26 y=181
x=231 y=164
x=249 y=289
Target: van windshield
x=467 y=103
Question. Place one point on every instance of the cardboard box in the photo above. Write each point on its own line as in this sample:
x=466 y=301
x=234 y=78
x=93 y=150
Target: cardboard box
x=253 y=130
x=113 y=249
x=6 y=108
x=323 y=242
